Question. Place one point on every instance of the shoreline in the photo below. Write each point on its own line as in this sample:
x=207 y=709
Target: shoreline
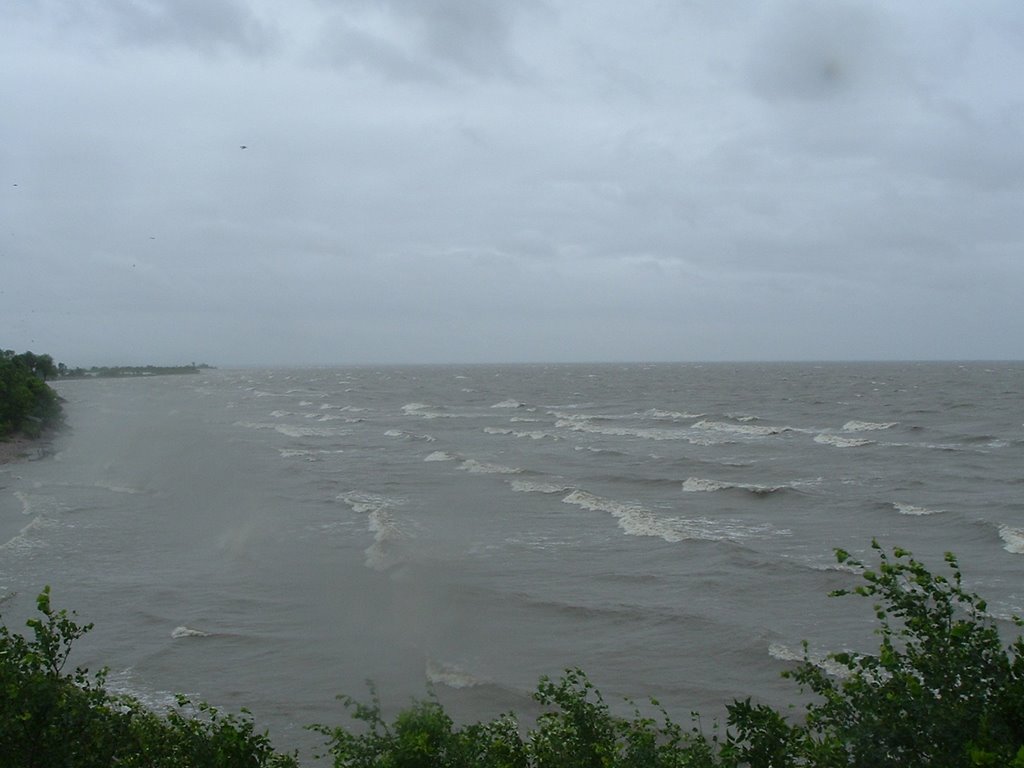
x=17 y=449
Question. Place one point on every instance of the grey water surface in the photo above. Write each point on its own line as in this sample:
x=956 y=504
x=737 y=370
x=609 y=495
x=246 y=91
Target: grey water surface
x=271 y=538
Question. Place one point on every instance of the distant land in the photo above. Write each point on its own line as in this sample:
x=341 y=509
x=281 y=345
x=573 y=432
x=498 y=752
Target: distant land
x=122 y=371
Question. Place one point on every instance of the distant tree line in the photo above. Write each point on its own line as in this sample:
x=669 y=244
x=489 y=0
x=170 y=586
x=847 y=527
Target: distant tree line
x=27 y=404
x=118 y=371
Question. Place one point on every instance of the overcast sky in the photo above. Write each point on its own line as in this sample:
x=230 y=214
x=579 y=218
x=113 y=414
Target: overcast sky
x=371 y=181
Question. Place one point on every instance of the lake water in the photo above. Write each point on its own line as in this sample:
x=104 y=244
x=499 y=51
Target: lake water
x=271 y=538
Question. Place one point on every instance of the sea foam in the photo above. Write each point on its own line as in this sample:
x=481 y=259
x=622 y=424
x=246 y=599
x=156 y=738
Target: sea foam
x=700 y=484
x=450 y=675
x=1013 y=539
x=439 y=456
x=910 y=509
x=868 y=426
x=483 y=468
x=183 y=631
x=841 y=442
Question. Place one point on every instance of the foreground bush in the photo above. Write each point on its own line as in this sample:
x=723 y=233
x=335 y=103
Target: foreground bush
x=27 y=404
x=50 y=718
x=942 y=691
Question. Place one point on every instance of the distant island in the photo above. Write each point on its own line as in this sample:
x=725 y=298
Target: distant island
x=121 y=371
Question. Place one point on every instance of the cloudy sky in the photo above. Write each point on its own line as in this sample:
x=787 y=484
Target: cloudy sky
x=372 y=181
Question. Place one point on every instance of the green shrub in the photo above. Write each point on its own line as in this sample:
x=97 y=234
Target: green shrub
x=51 y=718
x=27 y=404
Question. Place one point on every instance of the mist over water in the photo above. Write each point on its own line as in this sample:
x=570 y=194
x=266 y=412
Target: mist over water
x=272 y=538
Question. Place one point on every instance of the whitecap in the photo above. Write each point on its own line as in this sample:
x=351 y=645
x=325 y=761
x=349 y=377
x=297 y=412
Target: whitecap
x=380 y=555
x=508 y=404
x=183 y=631
x=636 y=520
x=910 y=509
x=820 y=660
x=655 y=413
x=703 y=485
x=450 y=675
x=363 y=502
x=1013 y=539
x=868 y=426
x=752 y=430
x=439 y=456
x=841 y=442
x=483 y=468
x=291 y=431
x=531 y=486
x=532 y=435
x=578 y=424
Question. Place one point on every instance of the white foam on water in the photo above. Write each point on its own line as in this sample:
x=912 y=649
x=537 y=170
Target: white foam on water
x=655 y=413
x=26 y=505
x=820 y=660
x=637 y=520
x=394 y=433
x=423 y=410
x=1013 y=539
x=363 y=502
x=120 y=683
x=450 y=675
x=508 y=404
x=483 y=468
x=837 y=441
x=868 y=426
x=647 y=433
x=531 y=486
x=381 y=554
x=910 y=509
x=439 y=456
x=24 y=540
x=532 y=435
x=525 y=419
x=412 y=408
x=291 y=431
x=183 y=631
x=704 y=485
x=750 y=430
x=117 y=488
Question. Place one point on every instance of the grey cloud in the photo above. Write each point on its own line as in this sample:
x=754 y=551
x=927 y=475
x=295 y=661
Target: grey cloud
x=814 y=51
x=208 y=26
x=425 y=39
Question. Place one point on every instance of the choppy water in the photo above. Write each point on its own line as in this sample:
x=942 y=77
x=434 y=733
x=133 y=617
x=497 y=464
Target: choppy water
x=273 y=538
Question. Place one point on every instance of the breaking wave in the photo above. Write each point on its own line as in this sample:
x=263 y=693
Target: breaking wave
x=450 y=675
x=841 y=442
x=700 y=484
x=910 y=509
x=637 y=520
x=483 y=468
x=868 y=426
x=1013 y=539
x=183 y=631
